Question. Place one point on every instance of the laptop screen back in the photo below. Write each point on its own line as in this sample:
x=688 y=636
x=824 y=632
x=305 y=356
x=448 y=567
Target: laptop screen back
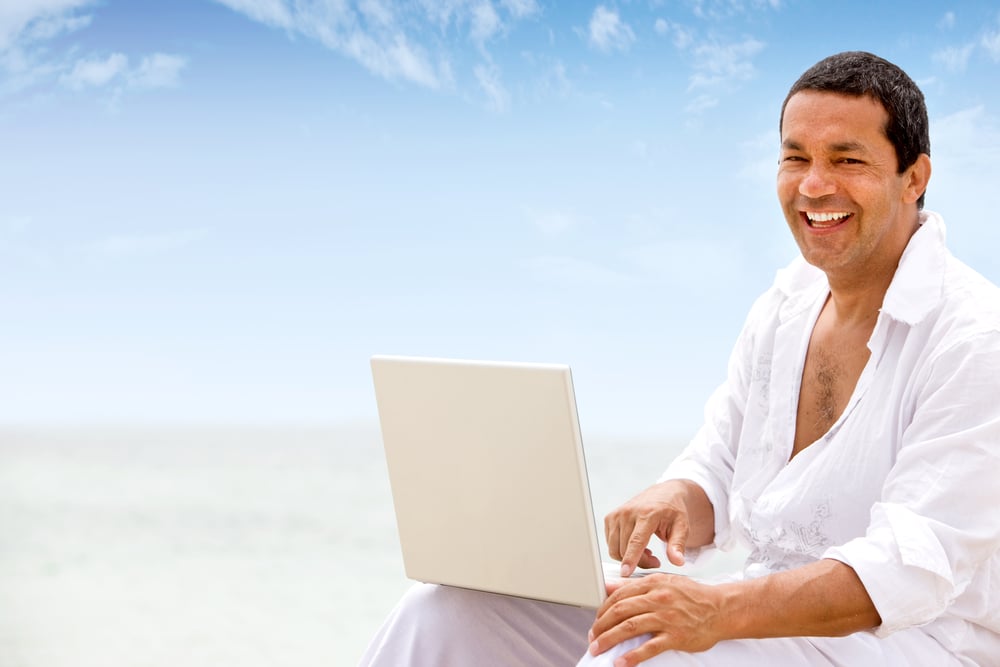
x=488 y=477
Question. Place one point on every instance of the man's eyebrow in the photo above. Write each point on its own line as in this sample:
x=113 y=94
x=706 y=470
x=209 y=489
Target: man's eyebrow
x=839 y=147
x=848 y=147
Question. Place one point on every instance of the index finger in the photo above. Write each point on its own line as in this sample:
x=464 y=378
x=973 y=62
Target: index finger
x=637 y=541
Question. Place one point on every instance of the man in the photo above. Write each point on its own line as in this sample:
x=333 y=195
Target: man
x=854 y=447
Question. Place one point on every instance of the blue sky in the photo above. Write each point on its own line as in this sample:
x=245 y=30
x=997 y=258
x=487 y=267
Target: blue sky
x=218 y=210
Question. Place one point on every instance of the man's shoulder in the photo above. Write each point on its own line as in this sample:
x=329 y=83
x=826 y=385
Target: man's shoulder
x=932 y=289
x=968 y=298
x=964 y=282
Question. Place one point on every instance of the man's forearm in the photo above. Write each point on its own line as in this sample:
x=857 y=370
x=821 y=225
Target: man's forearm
x=822 y=599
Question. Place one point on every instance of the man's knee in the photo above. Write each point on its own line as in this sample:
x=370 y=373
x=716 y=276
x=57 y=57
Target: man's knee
x=424 y=603
x=448 y=607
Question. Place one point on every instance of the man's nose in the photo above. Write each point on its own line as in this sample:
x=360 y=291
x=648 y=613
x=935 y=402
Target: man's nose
x=817 y=182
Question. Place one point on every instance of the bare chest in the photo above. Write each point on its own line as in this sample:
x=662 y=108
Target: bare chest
x=833 y=364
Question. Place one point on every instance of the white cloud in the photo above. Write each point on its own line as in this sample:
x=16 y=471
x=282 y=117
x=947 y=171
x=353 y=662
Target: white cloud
x=720 y=65
x=390 y=39
x=702 y=103
x=386 y=37
x=95 y=72
x=159 y=70
x=412 y=62
x=392 y=57
x=555 y=81
x=485 y=22
x=269 y=12
x=965 y=152
x=156 y=71
x=373 y=37
x=608 y=32
x=954 y=58
x=947 y=21
x=488 y=77
x=723 y=9
x=377 y=12
x=520 y=8
x=22 y=71
x=991 y=42
x=37 y=19
x=966 y=157
x=24 y=24
x=967 y=139
x=26 y=59
x=443 y=12
x=681 y=36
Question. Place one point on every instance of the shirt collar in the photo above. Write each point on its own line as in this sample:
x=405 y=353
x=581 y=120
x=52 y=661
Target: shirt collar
x=916 y=288
x=800 y=283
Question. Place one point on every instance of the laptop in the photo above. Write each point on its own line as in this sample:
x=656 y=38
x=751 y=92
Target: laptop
x=488 y=477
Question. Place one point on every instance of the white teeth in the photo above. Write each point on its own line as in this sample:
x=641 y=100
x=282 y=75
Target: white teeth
x=825 y=217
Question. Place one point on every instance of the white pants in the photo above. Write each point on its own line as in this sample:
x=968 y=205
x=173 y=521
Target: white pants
x=440 y=626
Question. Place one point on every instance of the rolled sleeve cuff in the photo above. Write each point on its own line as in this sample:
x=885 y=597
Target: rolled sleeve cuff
x=902 y=566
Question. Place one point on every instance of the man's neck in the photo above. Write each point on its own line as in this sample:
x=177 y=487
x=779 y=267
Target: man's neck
x=857 y=296
x=856 y=306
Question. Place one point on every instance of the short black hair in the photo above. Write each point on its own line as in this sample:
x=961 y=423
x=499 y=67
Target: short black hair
x=864 y=74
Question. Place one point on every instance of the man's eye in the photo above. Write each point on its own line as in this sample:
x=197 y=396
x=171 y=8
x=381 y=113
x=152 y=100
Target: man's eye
x=850 y=160
x=793 y=158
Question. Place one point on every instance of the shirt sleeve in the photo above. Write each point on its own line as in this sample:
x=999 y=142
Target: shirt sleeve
x=935 y=525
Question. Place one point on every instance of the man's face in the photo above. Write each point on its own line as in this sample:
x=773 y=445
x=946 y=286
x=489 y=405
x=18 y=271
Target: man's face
x=850 y=211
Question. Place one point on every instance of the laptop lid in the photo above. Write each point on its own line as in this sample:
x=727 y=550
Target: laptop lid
x=488 y=477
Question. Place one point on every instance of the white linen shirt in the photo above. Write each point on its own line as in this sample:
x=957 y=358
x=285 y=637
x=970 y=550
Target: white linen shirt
x=905 y=486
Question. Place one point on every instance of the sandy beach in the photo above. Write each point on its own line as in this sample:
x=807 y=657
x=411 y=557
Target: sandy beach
x=248 y=546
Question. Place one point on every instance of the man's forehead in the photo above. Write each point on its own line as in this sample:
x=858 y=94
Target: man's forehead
x=819 y=112
x=834 y=94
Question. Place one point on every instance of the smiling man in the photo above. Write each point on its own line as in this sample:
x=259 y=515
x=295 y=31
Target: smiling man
x=853 y=448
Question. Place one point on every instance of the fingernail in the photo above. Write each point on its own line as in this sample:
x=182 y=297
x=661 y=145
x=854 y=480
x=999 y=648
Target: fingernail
x=593 y=648
x=590 y=635
x=626 y=570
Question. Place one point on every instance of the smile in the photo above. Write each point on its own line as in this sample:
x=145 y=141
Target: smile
x=824 y=220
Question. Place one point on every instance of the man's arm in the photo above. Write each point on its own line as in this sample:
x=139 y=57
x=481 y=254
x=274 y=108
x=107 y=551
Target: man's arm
x=677 y=511
x=825 y=598
x=822 y=599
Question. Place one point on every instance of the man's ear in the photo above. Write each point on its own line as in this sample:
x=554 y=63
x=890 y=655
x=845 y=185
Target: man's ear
x=917 y=177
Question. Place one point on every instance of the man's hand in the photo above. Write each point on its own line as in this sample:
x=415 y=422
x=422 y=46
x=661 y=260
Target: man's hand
x=676 y=511
x=822 y=599
x=680 y=613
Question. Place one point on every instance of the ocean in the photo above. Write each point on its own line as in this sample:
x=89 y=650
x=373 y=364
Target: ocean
x=215 y=546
